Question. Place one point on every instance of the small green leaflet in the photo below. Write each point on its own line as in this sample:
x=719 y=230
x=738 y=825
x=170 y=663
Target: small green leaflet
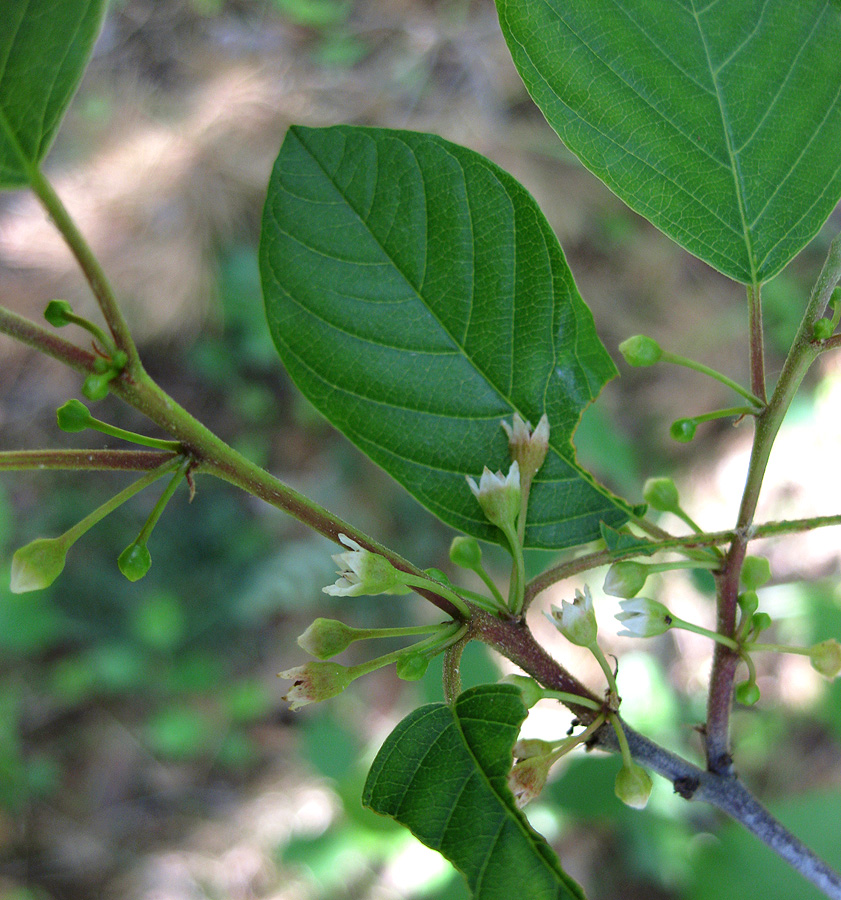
x=44 y=48
x=720 y=122
x=443 y=774
x=417 y=296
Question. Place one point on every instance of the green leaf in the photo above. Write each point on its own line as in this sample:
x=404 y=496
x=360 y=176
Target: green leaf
x=417 y=296
x=44 y=48
x=443 y=774
x=719 y=122
x=615 y=539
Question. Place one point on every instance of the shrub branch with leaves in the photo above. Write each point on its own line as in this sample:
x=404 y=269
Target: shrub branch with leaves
x=418 y=297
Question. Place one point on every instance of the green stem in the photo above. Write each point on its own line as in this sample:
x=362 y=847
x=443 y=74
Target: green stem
x=160 y=506
x=779 y=648
x=624 y=749
x=596 y=650
x=518 y=573
x=705 y=632
x=725 y=413
x=73 y=534
x=133 y=437
x=442 y=590
x=367 y=634
x=93 y=329
x=565 y=697
x=572 y=742
x=757 y=342
x=712 y=373
x=88 y=263
x=44 y=341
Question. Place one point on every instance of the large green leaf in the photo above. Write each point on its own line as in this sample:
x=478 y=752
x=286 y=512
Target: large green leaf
x=717 y=120
x=417 y=296
x=443 y=774
x=44 y=48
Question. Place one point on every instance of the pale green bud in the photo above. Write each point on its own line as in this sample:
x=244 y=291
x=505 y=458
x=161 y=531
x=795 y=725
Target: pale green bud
x=756 y=571
x=683 y=430
x=747 y=693
x=135 y=561
x=661 y=494
x=326 y=638
x=38 y=564
x=633 y=786
x=760 y=621
x=625 y=579
x=530 y=690
x=57 y=313
x=748 y=603
x=640 y=350
x=826 y=658
x=412 y=666
x=73 y=416
x=466 y=552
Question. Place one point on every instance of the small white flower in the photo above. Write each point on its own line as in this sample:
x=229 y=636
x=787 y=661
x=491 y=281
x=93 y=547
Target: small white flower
x=364 y=572
x=576 y=621
x=642 y=617
x=499 y=495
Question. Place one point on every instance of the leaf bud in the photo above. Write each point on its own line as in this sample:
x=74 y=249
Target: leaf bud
x=747 y=693
x=661 y=494
x=826 y=658
x=326 y=638
x=625 y=579
x=756 y=571
x=640 y=350
x=530 y=690
x=683 y=430
x=633 y=786
x=73 y=416
x=37 y=565
x=412 y=666
x=466 y=552
x=57 y=313
x=135 y=561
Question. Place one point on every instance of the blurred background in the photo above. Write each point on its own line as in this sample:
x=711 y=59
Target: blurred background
x=145 y=750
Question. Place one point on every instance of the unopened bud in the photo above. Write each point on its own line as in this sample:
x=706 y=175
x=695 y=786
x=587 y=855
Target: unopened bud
x=326 y=638
x=747 y=693
x=73 y=416
x=314 y=682
x=57 y=313
x=756 y=571
x=661 y=494
x=633 y=786
x=135 y=561
x=466 y=552
x=530 y=690
x=95 y=387
x=37 y=565
x=625 y=579
x=640 y=350
x=826 y=658
x=412 y=666
x=683 y=430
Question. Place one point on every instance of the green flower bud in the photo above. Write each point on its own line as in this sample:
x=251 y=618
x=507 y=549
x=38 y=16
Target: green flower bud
x=661 y=494
x=748 y=603
x=530 y=690
x=822 y=330
x=37 y=565
x=760 y=621
x=756 y=571
x=326 y=638
x=640 y=350
x=314 y=682
x=747 y=693
x=466 y=552
x=683 y=430
x=412 y=666
x=119 y=360
x=57 y=312
x=135 y=561
x=826 y=658
x=625 y=579
x=73 y=416
x=95 y=387
x=633 y=786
